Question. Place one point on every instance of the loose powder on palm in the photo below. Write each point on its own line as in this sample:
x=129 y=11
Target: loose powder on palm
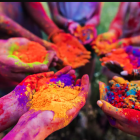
x=32 y=52
x=56 y=96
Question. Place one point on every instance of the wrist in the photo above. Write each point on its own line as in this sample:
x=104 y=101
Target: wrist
x=54 y=33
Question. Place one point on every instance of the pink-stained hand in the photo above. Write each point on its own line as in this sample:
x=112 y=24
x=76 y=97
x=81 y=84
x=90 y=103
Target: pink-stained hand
x=72 y=26
x=42 y=121
x=127 y=120
x=13 y=68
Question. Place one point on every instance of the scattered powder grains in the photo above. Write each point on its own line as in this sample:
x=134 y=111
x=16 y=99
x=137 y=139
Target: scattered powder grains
x=124 y=95
x=56 y=96
x=128 y=57
x=33 y=52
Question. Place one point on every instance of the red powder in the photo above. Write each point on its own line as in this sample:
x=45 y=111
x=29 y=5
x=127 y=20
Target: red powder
x=33 y=52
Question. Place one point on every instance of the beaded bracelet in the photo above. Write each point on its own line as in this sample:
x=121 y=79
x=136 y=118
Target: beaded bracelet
x=55 y=32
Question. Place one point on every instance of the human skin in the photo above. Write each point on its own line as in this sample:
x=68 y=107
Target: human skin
x=63 y=22
x=127 y=120
x=42 y=121
x=14 y=25
x=14 y=69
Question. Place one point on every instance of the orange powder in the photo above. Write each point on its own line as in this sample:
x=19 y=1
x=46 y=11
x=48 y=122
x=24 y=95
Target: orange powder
x=56 y=98
x=120 y=56
x=84 y=33
x=33 y=52
x=69 y=54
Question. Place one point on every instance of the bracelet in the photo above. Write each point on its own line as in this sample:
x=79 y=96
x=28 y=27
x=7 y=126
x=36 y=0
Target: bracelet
x=54 y=33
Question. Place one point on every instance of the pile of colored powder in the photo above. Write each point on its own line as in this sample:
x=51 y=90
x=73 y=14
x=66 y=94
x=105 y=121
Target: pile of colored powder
x=85 y=33
x=128 y=57
x=102 y=47
x=124 y=95
x=32 y=52
x=59 y=95
x=69 y=53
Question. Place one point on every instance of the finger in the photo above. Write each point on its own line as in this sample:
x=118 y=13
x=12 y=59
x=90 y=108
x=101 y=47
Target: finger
x=78 y=82
x=45 y=74
x=102 y=89
x=17 y=66
x=71 y=72
x=120 y=80
x=124 y=73
x=84 y=86
x=63 y=71
x=110 y=110
x=50 y=57
x=84 y=56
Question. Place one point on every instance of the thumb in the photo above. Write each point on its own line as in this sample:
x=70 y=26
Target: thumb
x=109 y=109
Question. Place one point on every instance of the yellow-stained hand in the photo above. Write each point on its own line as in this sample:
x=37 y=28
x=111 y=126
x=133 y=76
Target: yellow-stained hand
x=125 y=119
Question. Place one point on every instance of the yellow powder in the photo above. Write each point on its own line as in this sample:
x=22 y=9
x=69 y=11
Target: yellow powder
x=56 y=99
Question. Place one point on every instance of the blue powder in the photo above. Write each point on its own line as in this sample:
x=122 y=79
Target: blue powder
x=131 y=92
x=117 y=85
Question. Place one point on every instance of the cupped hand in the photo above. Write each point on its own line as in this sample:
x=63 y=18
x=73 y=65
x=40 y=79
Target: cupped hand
x=102 y=43
x=43 y=121
x=70 y=50
x=85 y=34
x=127 y=120
x=15 y=69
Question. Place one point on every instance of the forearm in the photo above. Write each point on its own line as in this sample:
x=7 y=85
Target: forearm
x=117 y=23
x=94 y=21
x=39 y=15
x=31 y=126
x=12 y=28
x=10 y=112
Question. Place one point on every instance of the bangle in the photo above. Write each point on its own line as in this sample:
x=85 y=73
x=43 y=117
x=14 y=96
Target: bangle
x=54 y=33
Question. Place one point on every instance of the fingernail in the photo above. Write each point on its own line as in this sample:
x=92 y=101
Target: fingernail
x=44 y=68
x=124 y=73
x=99 y=103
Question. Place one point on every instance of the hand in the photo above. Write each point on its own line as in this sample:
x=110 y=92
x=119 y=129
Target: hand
x=127 y=120
x=72 y=26
x=101 y=44
x=114 y=66
x=13 y=68
x=43 y=122
x=85 y=34
x=70 y=50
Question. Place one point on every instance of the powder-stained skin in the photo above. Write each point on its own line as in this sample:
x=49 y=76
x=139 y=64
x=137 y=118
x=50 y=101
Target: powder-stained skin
x=25 y=104
x=127 y=117
x=128 y=58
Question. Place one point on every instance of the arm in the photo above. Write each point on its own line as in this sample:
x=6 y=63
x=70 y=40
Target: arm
x=10 y=111
x=13 y=28
x=32 y=126
x=117 y=23
x=57 y=18
x=39 y=15
x=95 y=20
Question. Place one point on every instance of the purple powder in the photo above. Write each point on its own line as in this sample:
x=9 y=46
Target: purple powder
x=20 y=91
x=128 y=49
x=64 y=78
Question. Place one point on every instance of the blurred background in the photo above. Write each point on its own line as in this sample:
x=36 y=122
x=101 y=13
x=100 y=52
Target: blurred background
x=91 y=123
